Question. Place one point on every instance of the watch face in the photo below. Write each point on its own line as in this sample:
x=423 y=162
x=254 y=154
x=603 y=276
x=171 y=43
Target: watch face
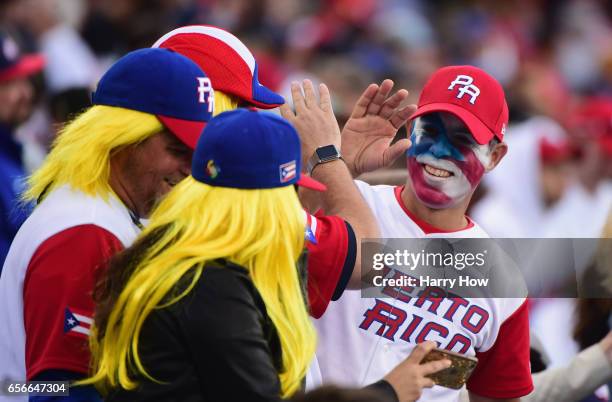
x=327 y=152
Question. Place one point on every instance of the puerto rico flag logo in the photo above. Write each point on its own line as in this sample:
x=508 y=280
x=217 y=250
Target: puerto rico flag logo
x=287 y=171
x=311 y=228
x=77 y=323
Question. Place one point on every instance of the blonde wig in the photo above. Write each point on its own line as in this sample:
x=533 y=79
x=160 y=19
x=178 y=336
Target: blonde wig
x=260 y=230
x=81 y=153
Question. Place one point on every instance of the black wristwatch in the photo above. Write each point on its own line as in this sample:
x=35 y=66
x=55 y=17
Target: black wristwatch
x=327 y=153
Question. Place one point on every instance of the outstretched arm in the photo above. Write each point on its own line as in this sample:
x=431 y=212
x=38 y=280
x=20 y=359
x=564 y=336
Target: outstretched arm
x=317 y=126
x=586 y=372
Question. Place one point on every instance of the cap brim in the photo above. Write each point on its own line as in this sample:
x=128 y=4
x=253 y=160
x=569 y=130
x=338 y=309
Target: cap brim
x=187 y=131
x=265 y=98
x=481 y=133
x=26 y=66
x=309 y=182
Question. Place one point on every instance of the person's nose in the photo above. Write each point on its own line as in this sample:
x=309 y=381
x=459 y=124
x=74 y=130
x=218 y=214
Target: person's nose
x=25 y=90
x=440 y=150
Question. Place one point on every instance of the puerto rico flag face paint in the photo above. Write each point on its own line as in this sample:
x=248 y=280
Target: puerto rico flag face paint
x=445 y=163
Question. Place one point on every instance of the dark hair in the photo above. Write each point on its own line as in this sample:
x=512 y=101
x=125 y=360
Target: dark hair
x=65 y=105
x=594 y=308
x=592 y=321
x=120 y=269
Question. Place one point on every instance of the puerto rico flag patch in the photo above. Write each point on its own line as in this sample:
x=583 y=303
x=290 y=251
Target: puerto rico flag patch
x=77 y=323
x=287 y=171
x=311 y=228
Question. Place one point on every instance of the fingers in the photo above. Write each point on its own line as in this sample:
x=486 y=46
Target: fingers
x=313 y=119
x=298 y=98
x=392 y=103
x=364 y=100
x=395 y=151
x=325 y=98
x=420 y=350
x=427 y=383
x=376 y=103
x=286 y=112
x=435 y=366
x=401 y=116
x=310 y=98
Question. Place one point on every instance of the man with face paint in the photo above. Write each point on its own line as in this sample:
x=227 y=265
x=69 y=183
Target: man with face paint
x=457 y=136
x=445 y=162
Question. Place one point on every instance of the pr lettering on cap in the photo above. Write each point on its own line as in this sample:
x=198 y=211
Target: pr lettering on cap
x=205 y=88
x=467 y=87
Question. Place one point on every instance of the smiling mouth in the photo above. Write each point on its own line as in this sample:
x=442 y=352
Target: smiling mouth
x=437 y=172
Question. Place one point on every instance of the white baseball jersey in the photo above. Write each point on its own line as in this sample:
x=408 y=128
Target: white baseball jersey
x=362 y=339
x=48 y=278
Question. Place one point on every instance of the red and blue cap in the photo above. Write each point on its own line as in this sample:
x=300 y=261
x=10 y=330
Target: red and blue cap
x=227 y=61
x=163 y=83
x=272 y=158
x=15 y=65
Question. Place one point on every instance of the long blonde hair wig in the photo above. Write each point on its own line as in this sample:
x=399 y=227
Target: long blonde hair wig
x=261 y=230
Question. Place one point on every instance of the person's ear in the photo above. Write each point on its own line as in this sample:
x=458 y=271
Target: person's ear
x=497 y=154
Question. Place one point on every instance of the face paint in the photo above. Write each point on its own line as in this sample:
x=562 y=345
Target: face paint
x=445 y=163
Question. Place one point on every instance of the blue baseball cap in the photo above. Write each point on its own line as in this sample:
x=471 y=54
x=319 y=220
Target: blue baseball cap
x=163 y=83
x=15 y=65
x=251 y=150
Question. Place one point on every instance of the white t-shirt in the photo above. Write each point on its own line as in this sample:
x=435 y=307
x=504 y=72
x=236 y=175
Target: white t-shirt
x=362 y=339
x=48 y=278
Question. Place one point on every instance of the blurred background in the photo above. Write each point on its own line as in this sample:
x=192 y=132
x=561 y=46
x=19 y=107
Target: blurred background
x=553 y=57
x=548 y=54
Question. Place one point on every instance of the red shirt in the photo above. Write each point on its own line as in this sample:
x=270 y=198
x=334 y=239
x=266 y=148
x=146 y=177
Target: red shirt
x=58 y=303
x=332 y=249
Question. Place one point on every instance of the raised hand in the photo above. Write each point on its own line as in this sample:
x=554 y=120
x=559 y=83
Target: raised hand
x=368 y=133
x=313 y=119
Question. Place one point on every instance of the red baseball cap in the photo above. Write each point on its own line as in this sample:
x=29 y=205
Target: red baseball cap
x=470 y=94
x=592 y=120
x=228 y=63
x=555 y=151
x=13 y=64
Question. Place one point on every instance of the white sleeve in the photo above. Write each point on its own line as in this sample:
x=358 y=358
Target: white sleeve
x=313 y=376
x=587 y=371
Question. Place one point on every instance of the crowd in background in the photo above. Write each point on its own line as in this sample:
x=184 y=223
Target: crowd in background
x=548 y=54
x=553 y=57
